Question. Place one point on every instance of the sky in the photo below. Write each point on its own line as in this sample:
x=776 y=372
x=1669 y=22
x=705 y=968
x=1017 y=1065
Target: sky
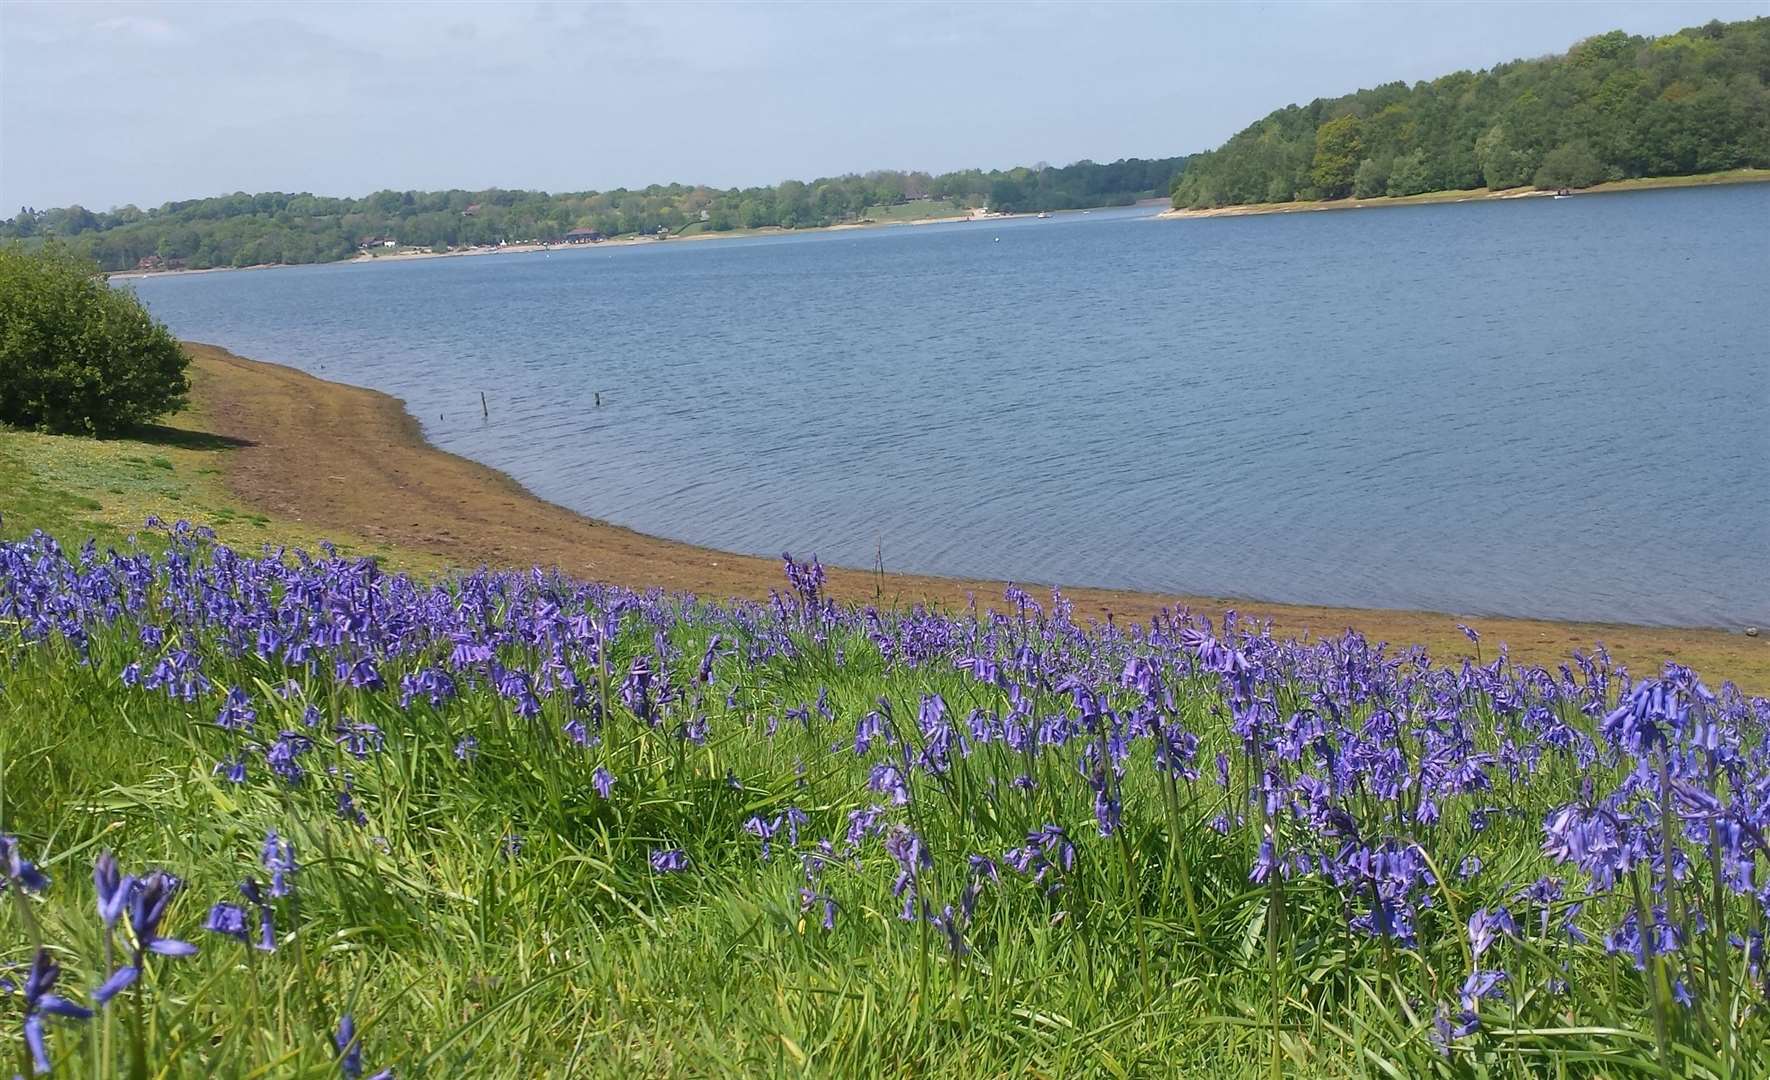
x=109 y=104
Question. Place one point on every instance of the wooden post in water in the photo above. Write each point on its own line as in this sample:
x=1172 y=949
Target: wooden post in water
x=483 y=411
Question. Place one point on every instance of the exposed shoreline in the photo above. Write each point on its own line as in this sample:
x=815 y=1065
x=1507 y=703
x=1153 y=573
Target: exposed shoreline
x=344 y=458
x=1735 y=176
x=620 y=241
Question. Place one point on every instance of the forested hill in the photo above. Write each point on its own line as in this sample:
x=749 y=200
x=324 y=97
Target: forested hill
x=274 y=227
x=1612 y=107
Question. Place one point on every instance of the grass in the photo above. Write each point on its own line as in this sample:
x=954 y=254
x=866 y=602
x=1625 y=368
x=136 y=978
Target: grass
x=919 y=210
x=874 y=215
x=77 y=488
x=499 y=916
x=493 y=913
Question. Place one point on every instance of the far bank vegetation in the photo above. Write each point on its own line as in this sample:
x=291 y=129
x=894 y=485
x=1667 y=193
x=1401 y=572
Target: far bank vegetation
x=1613 y=107
x=280 y=227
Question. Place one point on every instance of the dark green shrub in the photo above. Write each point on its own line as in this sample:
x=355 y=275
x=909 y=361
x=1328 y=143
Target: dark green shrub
x=1573 y=165
x=77 y=356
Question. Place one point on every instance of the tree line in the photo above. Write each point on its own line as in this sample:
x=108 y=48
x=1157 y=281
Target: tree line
x=1612 y=107
x=279 y=227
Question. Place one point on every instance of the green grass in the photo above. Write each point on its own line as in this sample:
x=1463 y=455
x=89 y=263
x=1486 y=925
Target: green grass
x=571 y=957
x=915 y=211
x=75 y=488
x=874 y=215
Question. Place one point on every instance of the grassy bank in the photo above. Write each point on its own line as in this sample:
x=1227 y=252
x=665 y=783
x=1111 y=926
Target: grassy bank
x=1731 y=176
x=524 y=826
x=79 y=488
x=515 y=824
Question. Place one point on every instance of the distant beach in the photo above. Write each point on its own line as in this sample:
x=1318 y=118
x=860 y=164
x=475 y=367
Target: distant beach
x=624 y=241
x=1732 y=176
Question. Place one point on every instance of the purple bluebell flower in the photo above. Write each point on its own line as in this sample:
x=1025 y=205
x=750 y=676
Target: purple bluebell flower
x=603 y=781
x=912 y=856
x=947 y=922
x=237 y=713
x=228 y=920
x=1485 y=927
x=350 y=1052
x=1481 y=985
x=869 y=727
x=888 y=779
x=359 y=740
x=809 y=897
x=20 y=870
x=795 y=817
x=112 y=888
x=467 y=748
x=669 y=860
x=862 y=824
x=1108 y=810
x=284 y=757
x=279 y=862
x=347 y=807
x=40 y=1000
x=148 y=901
x=763 y=829
x=232 y=770
x=267 y=928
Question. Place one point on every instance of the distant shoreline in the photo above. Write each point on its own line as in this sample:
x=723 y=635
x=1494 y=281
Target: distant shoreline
x=1645 y=183
x=625 y=241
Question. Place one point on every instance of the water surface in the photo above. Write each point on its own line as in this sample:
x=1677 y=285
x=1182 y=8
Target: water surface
x=1552 y=408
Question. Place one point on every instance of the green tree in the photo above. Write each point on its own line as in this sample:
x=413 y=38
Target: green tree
x=1411 y=174
x=1570 y=165
x=1337 y=149
x=1694 y=101
x=1503 y=163
x=77 y=355
x=1372 y=178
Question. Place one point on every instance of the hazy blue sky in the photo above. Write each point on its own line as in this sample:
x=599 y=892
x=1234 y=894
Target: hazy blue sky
x=105 y=104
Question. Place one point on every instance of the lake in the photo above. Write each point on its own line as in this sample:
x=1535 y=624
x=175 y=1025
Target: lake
x=1555 y=408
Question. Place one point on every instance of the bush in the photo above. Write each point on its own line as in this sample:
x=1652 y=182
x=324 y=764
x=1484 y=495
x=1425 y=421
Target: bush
x=77 y=356
x=1411 y=175
x=1571 y=166
x=1372 y=178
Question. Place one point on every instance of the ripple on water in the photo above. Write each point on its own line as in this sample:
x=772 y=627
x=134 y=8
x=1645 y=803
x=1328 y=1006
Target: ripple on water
x=1536 y=408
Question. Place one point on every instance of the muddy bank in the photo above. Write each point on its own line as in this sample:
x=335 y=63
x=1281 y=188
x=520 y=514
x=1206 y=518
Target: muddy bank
x=339 y=457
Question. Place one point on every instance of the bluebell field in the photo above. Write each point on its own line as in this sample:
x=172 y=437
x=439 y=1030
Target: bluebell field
x=295 y=814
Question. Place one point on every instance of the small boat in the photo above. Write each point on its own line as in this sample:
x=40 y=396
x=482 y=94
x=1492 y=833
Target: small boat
x=1043 y=215
x=1564 y=194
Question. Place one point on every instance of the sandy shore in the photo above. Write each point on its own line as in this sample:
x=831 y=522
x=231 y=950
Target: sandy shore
x=339 y=457
x=1735 y=176
x=619 y=241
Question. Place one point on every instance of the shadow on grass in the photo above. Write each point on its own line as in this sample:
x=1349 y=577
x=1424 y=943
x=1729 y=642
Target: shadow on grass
x=180 y=438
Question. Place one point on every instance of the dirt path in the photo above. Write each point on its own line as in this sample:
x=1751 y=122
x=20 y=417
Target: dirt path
x=340 y=457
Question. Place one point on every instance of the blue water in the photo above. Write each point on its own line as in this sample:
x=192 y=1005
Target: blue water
x=1549 y=407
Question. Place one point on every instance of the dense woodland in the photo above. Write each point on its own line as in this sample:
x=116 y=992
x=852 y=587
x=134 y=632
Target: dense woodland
x=1613 y=107
x=275 y=227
